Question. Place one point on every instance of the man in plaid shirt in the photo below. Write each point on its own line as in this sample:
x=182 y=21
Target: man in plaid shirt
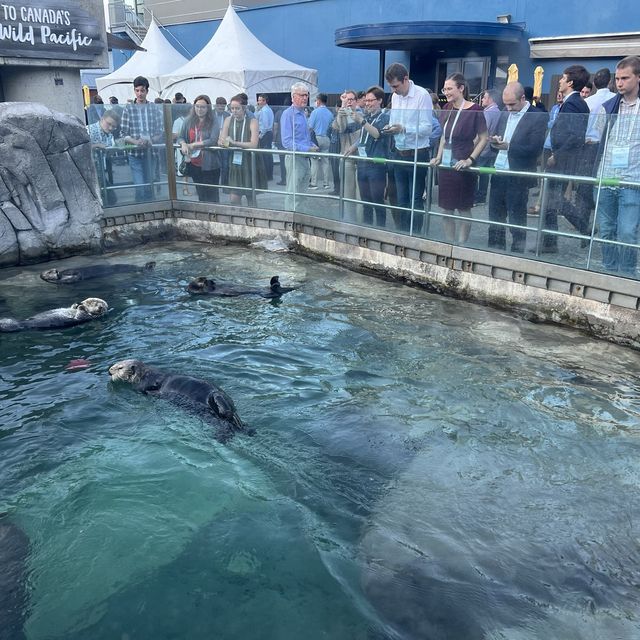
x=141 y=126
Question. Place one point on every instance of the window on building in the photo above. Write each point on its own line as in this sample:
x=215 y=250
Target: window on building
x=475 y=70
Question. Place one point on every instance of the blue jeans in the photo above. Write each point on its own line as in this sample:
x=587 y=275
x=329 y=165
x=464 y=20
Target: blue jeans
x=618 y=219
x=141 y=174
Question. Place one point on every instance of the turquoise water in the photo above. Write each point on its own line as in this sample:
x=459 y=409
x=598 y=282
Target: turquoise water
x=422 y=467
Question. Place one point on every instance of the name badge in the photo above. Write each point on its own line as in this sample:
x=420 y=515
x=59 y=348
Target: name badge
x=620 y=157
x=502 y=160
x=447 y=157
x=362 y=151
x=237 y=157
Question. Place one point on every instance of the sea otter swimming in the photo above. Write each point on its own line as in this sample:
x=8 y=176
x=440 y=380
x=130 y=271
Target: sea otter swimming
x=69 y=276
x=61 y=318
x=208 y=287
x=199 y=395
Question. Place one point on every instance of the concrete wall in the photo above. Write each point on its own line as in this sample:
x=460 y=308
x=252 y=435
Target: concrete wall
x=38 y=84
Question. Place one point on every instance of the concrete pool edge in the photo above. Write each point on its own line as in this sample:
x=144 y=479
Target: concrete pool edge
x=605 y=306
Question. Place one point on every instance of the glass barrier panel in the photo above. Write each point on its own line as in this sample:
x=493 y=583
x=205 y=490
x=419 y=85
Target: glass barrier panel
x=129 y=150
x=561 y=188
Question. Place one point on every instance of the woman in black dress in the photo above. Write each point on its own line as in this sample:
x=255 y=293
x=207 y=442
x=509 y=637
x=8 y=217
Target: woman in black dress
x=464 y=135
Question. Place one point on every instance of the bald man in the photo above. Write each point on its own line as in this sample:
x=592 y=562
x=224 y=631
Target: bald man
x=518 y=140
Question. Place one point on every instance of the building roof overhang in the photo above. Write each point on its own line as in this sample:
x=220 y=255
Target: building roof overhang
x=404 y=36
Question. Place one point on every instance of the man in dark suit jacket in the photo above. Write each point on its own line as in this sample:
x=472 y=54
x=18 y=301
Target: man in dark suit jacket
x=567 y=146
x=518 y=139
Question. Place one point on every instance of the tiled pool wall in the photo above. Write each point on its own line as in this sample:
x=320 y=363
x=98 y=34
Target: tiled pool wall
x=603 y=305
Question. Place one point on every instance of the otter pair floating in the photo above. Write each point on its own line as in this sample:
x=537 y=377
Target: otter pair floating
x=207 y=287
x=78 y=313
x=201 y=397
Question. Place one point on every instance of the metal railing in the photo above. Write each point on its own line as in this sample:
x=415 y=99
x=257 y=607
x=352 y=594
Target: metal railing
x=348 y=207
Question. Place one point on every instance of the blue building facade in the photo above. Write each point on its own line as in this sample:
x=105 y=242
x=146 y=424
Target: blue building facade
x=350 y=41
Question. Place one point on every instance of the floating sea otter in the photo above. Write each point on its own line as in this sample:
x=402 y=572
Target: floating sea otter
x=200 y=396
x=86 y=310
x=69 y=276
x=208 y=287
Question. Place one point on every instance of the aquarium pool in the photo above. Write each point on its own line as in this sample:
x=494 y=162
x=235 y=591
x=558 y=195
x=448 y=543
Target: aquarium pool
x=421 y=467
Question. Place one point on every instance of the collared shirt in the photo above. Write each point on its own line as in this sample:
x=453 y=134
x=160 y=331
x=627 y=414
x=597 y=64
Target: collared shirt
x=265 y=119
x=624 y=133
x=413 y=112
x=294 y=131
x=141 y=121
x=514 y=119
x=320 y=120
x=491 y=116
x=553 y=114
x=98 y=136
x=594 y=103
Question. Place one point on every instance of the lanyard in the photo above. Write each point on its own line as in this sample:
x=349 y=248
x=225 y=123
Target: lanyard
x=235 y=130
x=364 y=131
x=455 y=121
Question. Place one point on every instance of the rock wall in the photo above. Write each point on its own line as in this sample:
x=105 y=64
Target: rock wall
x=49 y=205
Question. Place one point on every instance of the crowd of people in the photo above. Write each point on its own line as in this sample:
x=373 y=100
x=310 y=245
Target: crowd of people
x=590 y=131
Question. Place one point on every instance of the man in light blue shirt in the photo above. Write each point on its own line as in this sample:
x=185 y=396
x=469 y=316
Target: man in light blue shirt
x=296 y=137
x=319 y=122
x=265 y=128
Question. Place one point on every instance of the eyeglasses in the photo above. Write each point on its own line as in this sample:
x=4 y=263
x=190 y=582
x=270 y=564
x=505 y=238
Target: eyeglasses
x=371 y=99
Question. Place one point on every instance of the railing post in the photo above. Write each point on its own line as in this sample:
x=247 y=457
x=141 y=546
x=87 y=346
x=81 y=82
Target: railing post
x=544 y=197
x=170 y=152
x=253 y=178
x=429 y=199
x=341 y=171
x=413 y=189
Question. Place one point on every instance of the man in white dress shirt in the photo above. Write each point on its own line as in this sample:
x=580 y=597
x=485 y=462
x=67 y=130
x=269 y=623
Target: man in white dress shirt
x=410 y=123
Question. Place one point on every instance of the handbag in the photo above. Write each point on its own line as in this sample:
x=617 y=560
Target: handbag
x=184 y=167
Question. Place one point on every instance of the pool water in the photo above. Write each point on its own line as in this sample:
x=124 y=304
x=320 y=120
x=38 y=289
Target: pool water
x=422 y=467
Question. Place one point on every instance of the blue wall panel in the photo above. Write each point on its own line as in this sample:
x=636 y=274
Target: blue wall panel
x=305 y=32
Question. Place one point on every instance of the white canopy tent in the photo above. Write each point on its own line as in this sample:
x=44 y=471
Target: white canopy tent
x=159 y=57
x=235 y=61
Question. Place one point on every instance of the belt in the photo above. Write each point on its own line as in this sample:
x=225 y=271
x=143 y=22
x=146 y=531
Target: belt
x=409 y=152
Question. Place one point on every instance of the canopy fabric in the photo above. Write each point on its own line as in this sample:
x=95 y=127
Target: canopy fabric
x=235 y=61
x=158 y=57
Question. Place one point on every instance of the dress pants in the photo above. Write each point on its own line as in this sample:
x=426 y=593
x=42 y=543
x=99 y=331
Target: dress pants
x=508 y=203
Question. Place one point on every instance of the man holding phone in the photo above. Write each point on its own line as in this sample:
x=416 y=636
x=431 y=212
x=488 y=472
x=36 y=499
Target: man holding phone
x=410 y=124
x=518 y=142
